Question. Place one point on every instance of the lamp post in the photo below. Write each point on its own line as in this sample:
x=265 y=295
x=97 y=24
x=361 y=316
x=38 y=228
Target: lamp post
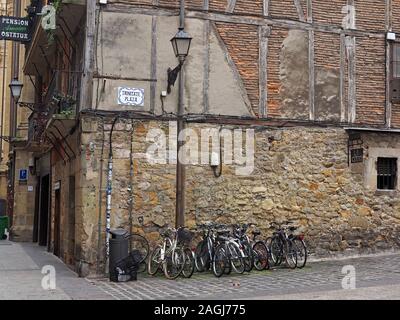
x=16 y=89
x=181 y=45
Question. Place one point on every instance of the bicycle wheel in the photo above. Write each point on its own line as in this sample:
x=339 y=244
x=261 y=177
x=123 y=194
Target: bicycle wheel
x=235 y=254
x=189 y=264
x=260 y=253
x=202 y=257
x=154 y=262
x=276 y=251
x=290 y=254
x=301 y=251
x=220 y=261
x=139 y=243
x=142 y=267
x=173 y=263
x=248 y=258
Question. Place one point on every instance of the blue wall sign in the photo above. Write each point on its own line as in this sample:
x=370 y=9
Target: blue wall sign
x=23 y=175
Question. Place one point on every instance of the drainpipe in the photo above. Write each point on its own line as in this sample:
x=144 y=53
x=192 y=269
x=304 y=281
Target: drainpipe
x=13 y=114
x=180 y=168
x=3 y=100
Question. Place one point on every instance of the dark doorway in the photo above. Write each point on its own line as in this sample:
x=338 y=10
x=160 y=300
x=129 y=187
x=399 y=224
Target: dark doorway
x=57 y=221
x=36 y=213
x=44 y=209
x=71 y=221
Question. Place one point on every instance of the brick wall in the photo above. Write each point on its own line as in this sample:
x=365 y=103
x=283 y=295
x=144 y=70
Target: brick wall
x=283 y=8
x=370 y=80
x=329 y=12
x=370 y=15
x=327 y=76
x=218 y=5
x=249 y=7
x=243 y=46
x=274 y=83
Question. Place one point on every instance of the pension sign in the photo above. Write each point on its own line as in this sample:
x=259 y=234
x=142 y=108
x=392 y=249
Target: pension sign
x=131 y=97
x=14 y=28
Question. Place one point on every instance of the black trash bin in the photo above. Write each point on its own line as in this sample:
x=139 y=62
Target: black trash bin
x=119 y=244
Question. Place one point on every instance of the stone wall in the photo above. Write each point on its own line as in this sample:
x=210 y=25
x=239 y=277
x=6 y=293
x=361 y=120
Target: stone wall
x=24 y=200
x=301 y=175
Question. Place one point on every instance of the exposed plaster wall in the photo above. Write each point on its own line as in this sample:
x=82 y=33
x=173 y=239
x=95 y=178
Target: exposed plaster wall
x=294 y=75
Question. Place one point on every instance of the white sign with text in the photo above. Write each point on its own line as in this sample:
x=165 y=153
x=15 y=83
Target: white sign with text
x=131 y=97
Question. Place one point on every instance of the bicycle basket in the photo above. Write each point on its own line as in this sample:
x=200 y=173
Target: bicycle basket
x=184 y=235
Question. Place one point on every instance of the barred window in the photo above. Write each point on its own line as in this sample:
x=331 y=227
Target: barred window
x=396 y=61
x=395 y=73
x=387 y=173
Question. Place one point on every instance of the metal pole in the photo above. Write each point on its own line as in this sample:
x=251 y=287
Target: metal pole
x=13 y=118
x=180 y=168
x=3 y=100
x=182 y=15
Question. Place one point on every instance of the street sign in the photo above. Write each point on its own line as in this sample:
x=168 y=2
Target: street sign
x=23 y=174
x=14 y=28
x=357 y=155
x=131 y=96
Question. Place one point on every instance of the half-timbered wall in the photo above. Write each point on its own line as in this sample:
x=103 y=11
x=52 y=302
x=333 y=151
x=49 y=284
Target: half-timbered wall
x=292 y=59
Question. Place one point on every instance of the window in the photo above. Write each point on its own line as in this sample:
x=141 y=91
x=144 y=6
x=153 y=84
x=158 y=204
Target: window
x=395 y=73
x=387 y=173
x=396 y=61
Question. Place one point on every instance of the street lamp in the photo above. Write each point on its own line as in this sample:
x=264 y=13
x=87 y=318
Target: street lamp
x=16 y=89
x=181 y=45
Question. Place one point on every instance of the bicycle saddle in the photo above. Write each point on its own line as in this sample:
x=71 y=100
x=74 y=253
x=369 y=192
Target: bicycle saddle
x=256 y=233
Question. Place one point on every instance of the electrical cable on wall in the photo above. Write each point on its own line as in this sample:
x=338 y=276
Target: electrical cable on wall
x=99 y=249
x=214 y=167
x=109 y=193
x=131 y=174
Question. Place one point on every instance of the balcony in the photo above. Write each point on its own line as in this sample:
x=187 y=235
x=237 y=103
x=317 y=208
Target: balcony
x=40 y=51
x=37 y=141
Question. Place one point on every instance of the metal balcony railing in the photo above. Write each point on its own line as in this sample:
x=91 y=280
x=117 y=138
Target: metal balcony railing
x=37 y=122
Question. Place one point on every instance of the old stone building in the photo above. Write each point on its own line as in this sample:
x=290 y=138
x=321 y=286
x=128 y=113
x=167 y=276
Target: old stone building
x=316 y=80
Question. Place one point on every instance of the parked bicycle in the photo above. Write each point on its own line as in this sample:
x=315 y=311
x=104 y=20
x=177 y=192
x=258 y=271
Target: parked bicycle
x=205 y=249
x=173 y=256
x=282 y=248
x=139 y=247
x=256 y=252
x=300 y=245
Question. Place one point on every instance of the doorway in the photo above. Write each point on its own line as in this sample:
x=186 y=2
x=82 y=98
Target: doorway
x=36 y=213
x=71 y=221
x=44 y=209
x=57 y=221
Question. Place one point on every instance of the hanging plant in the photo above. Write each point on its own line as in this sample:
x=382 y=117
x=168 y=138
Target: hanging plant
x=51 y=32
x=57 y=5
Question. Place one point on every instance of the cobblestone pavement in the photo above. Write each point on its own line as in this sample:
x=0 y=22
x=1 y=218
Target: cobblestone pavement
x=317 y=280
x=376 y=277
